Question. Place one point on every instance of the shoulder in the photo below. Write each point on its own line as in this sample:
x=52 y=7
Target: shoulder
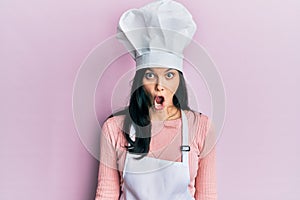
x=198 y=124
x=196 y=118
x=114 y=120
x=112 y=126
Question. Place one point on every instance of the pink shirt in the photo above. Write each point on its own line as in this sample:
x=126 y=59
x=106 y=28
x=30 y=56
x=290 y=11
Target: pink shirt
x=165 y=143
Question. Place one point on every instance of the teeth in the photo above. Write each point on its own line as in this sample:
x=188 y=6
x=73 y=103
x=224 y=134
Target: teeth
x=156 y=104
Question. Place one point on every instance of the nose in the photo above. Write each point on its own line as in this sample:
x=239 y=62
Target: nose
x=159 y=85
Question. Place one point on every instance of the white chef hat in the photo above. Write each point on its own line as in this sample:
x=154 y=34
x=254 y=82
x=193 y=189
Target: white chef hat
x=156 y=34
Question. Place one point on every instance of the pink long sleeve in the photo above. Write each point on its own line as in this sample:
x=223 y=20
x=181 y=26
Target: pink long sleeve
x=108 y=176
x=205 y=183
x=164 y=142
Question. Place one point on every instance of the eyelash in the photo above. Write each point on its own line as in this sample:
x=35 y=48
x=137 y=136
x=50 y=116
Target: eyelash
x=167 y=75
x=147 y=75
x=170 y=73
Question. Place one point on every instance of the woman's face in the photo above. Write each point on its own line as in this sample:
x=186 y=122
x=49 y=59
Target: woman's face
x=161 y=84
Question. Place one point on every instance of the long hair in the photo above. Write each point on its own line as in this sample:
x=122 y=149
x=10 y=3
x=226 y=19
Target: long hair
x=137 y=113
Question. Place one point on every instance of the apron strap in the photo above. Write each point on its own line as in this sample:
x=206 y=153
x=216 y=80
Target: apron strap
x=185 y=148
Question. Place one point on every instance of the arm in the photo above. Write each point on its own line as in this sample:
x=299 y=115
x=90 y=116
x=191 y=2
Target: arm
x=206 y=181
x=108 y=177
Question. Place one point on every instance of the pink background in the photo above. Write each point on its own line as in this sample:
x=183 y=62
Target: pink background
x=253 y=43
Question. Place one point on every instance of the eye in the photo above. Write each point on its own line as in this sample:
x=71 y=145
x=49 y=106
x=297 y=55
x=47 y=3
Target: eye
x=149 y=75
x=170 y=75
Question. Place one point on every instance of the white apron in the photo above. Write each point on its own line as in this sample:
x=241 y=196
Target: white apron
x=155 y=179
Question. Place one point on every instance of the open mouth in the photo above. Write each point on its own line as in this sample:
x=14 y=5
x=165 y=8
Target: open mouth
x=159 y=102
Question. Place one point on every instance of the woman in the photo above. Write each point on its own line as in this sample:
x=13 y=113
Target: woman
x=154 y=149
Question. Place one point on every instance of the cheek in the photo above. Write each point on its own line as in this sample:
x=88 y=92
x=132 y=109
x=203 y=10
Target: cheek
x=148 y=88
x=173 y=86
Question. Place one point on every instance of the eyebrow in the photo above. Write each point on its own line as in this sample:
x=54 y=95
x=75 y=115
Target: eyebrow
x=164 y=71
